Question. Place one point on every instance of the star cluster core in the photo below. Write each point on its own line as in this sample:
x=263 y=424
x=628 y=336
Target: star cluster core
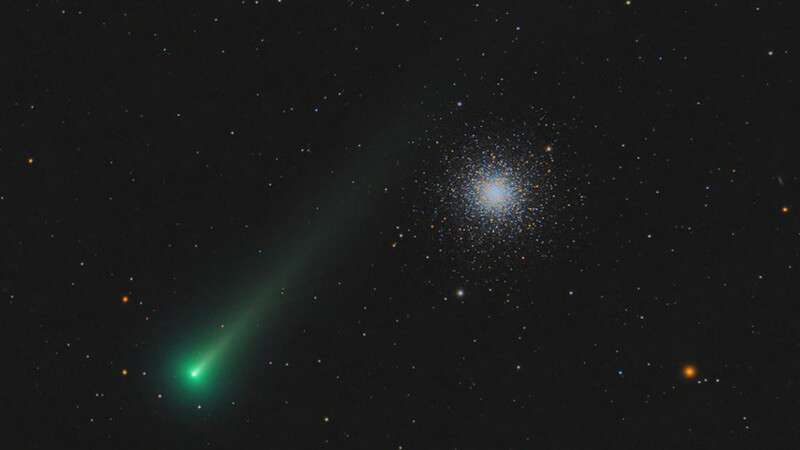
x=498 y=193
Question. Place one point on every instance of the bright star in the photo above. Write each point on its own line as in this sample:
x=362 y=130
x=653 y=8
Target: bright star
x=689 y=371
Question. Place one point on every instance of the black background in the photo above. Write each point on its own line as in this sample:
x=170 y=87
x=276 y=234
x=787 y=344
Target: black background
x=174 y=151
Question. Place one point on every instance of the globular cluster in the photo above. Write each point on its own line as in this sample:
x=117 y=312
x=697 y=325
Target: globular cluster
x=497 y=194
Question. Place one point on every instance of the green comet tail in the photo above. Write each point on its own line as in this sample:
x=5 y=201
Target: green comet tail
x=195 y=375
x=206 y=365
x=199 y=371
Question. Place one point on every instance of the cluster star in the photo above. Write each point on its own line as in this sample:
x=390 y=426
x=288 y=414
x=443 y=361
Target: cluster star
x=495 y=193
x=498 y=195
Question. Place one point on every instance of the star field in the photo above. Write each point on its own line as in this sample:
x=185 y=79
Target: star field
x=288 y=224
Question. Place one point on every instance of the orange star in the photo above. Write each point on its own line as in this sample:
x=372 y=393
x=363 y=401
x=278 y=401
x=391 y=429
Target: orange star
x=689 y=371
x=30 y=161
x=785 y=210
x=125 y=299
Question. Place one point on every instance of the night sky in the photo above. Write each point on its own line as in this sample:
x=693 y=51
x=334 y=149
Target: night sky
x=400 y=225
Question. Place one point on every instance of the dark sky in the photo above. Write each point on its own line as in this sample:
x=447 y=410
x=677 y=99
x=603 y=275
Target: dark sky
x=300 y=171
